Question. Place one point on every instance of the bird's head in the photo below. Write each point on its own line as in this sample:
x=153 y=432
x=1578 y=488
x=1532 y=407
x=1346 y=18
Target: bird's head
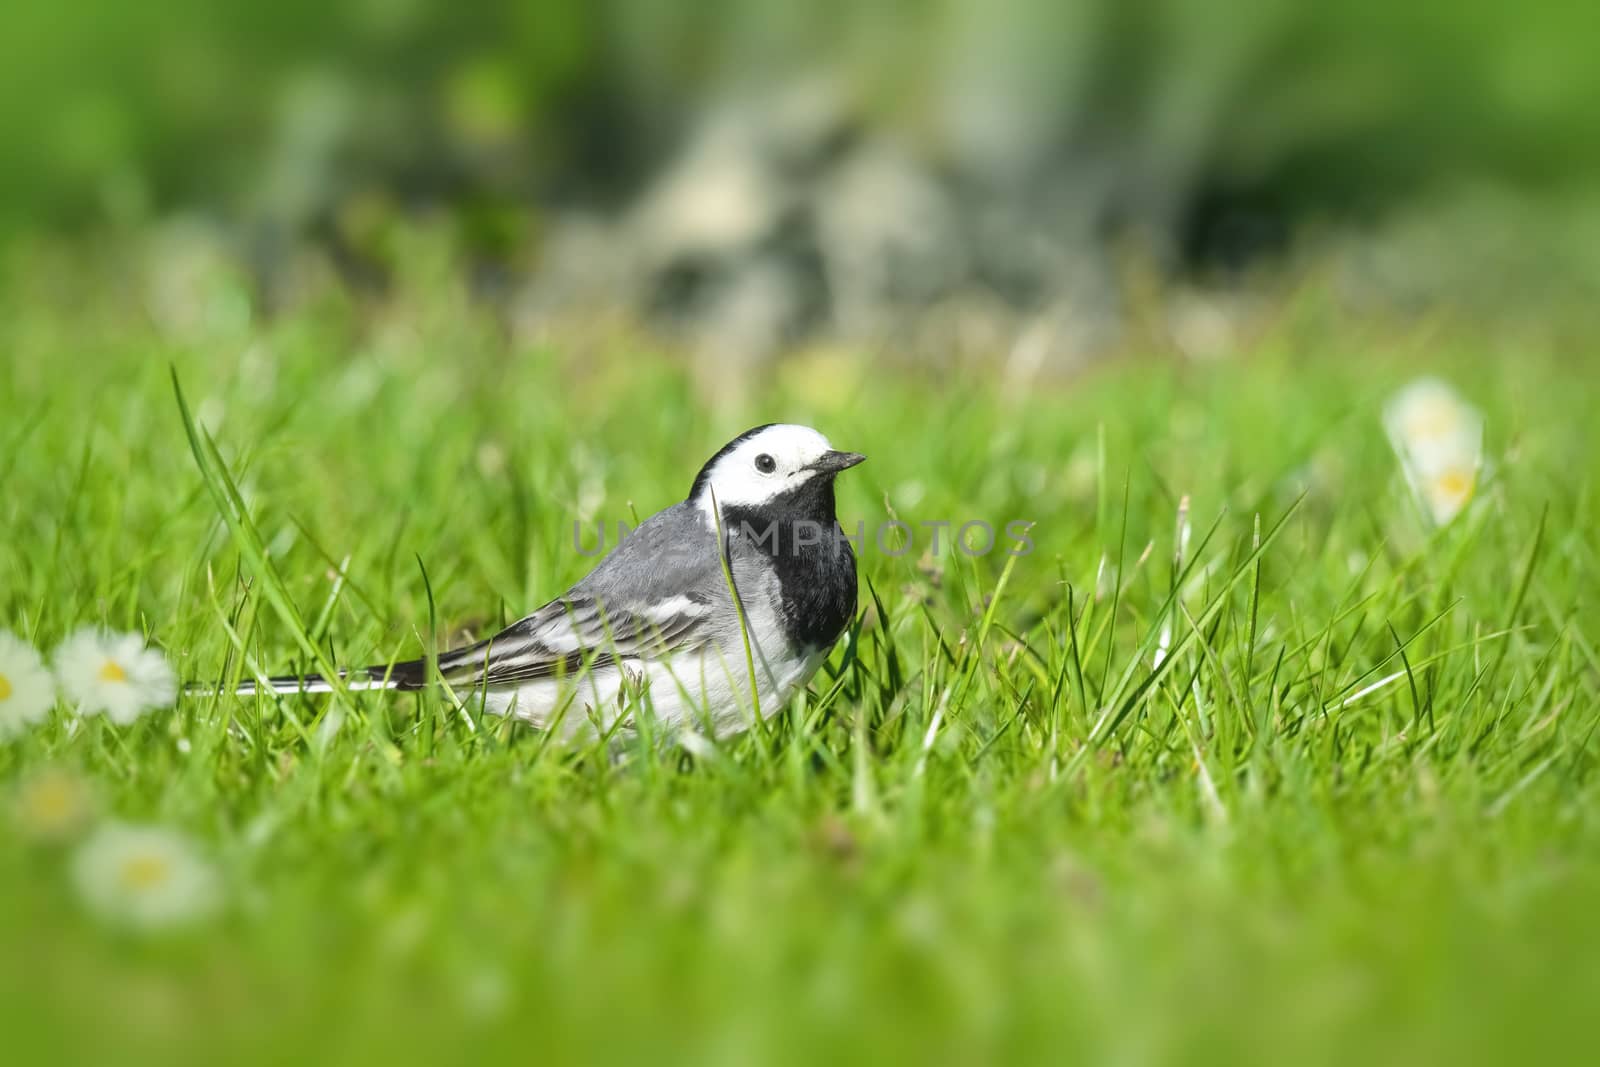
x=762 y=465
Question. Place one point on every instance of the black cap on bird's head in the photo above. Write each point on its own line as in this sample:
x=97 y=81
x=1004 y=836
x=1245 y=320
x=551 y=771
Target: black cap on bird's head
x=768 y=462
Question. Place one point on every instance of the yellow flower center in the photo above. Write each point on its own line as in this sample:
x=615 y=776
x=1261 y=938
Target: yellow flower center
x=51 y=800
x=112 y=672
x=1454 y=484
x=144 y=872
x=5 y=688
x=52 y=804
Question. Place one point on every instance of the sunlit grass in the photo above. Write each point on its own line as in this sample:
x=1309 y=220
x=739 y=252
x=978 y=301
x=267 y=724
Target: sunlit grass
x=1347 y=811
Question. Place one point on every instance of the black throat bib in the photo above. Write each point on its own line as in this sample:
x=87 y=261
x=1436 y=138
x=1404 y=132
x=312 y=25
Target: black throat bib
x=816 y=567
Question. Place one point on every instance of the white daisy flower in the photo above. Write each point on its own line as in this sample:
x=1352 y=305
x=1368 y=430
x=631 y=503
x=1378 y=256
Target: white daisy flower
x=144 y=876
x=26 y=691
x=1439 y=439
x=114 y=674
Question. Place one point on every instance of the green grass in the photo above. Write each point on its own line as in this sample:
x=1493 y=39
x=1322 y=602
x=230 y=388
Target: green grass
x=991 y=830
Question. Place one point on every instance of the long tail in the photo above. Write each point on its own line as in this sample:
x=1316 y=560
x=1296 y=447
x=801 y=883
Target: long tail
x=406 y=676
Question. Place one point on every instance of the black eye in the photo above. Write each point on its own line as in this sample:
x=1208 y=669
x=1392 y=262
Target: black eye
x=766 y=464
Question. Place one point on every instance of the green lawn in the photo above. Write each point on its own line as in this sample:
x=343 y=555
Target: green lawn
x=992 y=829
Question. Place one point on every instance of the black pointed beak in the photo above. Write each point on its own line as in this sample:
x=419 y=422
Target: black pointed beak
x=834 y=462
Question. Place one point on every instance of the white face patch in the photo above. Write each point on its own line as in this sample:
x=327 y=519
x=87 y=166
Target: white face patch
x=763 y=466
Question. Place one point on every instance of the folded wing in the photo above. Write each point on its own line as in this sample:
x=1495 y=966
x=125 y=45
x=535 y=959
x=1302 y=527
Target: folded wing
x=569 y=636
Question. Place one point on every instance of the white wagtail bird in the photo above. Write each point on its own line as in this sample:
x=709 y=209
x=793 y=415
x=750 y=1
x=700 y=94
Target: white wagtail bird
x=668 y=621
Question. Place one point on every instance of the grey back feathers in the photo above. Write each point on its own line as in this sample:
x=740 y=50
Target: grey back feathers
x=660 y=592
x=671 y=552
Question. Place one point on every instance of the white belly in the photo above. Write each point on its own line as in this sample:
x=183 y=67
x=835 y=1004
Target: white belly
x=705 y=692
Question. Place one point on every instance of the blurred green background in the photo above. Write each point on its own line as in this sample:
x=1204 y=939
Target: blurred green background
x=749 y=176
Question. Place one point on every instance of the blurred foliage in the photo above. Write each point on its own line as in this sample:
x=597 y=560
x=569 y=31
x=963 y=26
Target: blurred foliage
x=278 y=112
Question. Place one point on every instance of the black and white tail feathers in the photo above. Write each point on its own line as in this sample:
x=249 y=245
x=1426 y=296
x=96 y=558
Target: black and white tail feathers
x=563 y=639
x=407 y=676
x=402 y=677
